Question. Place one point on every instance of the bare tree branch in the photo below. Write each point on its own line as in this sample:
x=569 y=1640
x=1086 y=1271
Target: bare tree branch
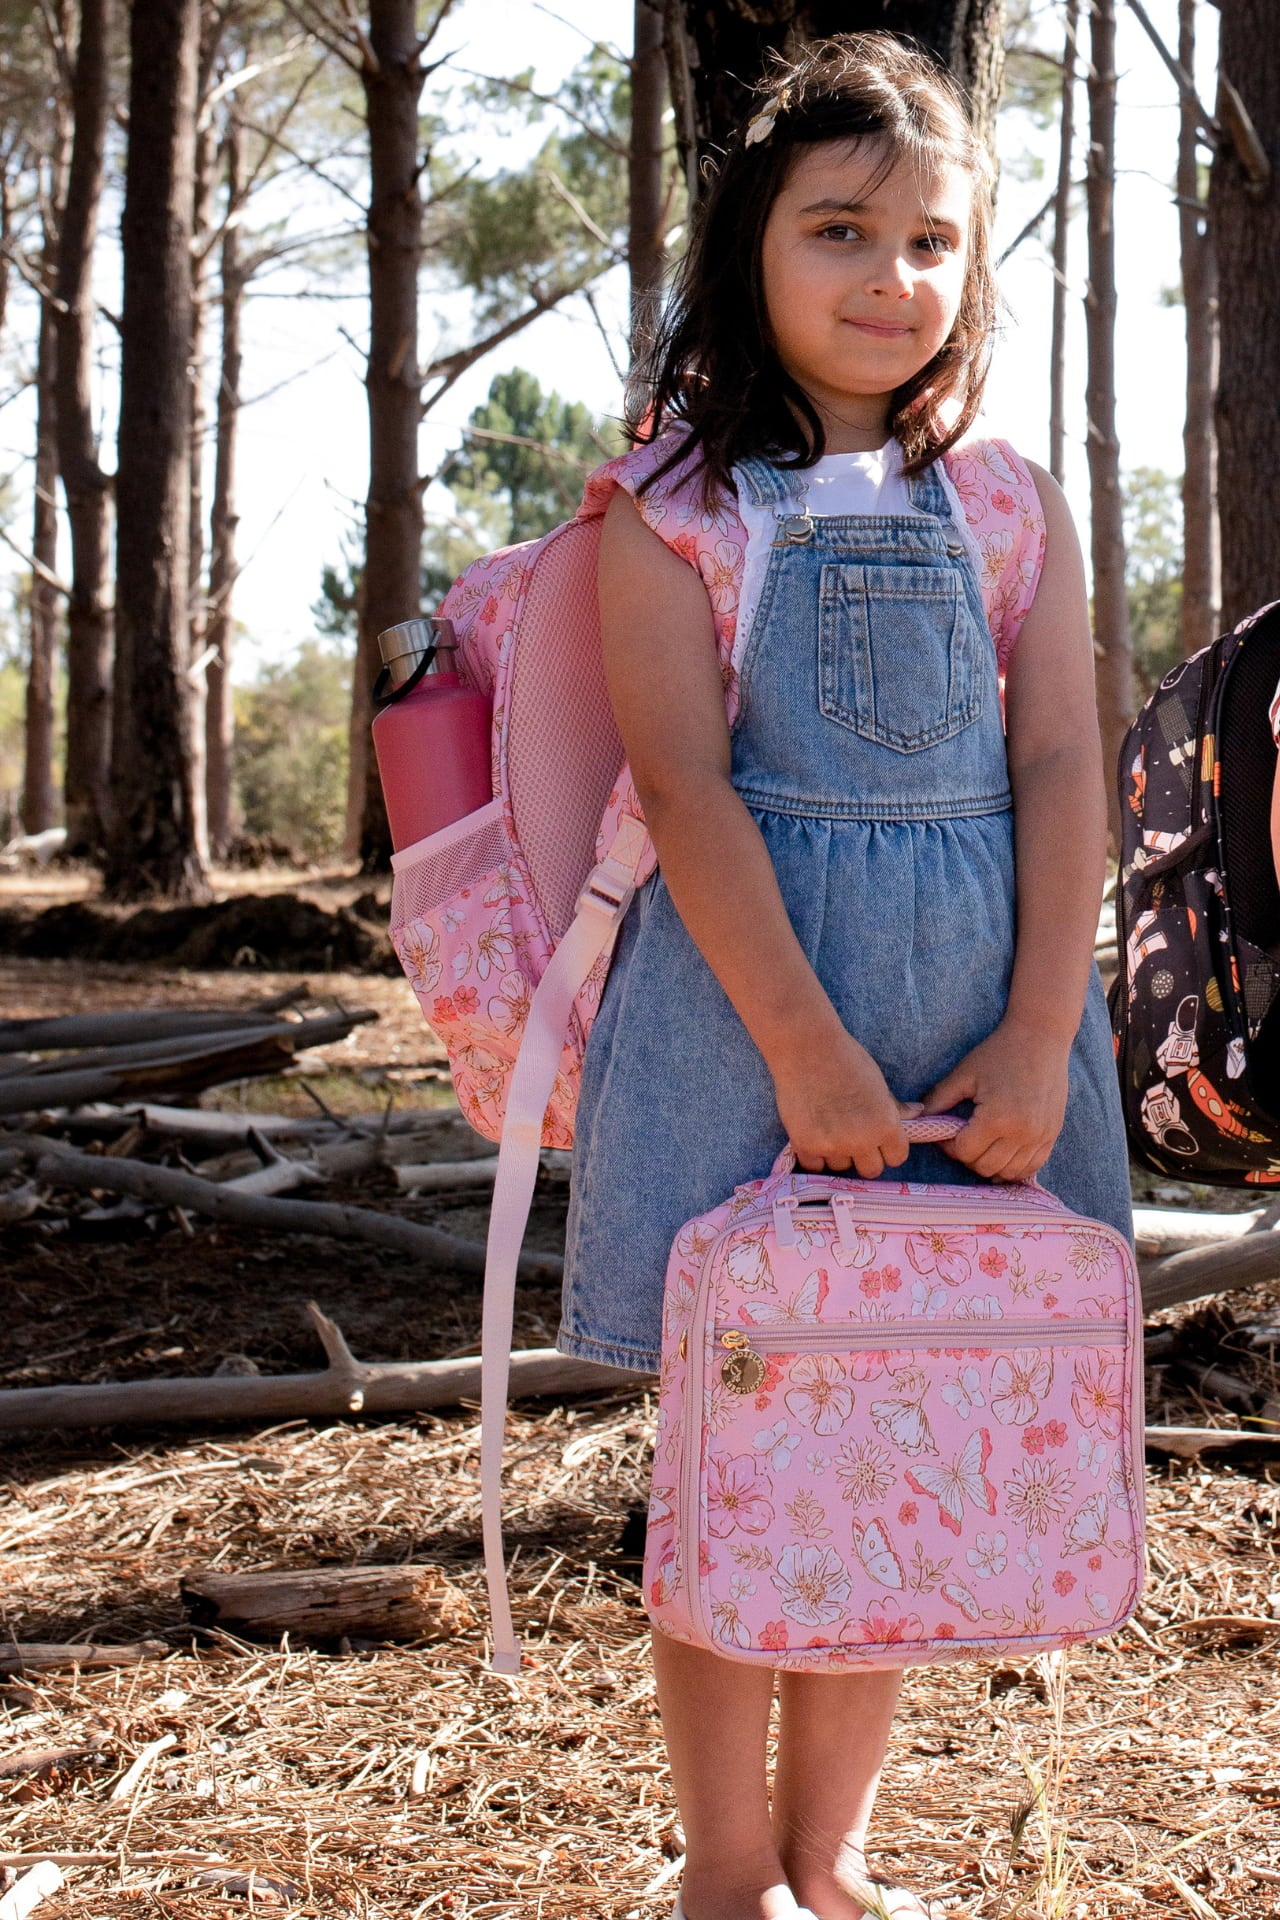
x=451 y=366
x=608 y=141
x=1209 y=127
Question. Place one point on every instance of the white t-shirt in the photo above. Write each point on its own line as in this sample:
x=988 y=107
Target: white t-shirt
x=838 y=483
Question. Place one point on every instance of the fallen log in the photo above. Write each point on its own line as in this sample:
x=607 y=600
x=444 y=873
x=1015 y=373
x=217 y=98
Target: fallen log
x=120 y=1027
x=170 y=1066
x=1163 y=1230
x=324 y=1603
x=437 y=1176
x=1218 y=1268
x=38 y=1656
x=57 y=1165
x=346 y=1386
x=1188 y=1443
x=212 y=1128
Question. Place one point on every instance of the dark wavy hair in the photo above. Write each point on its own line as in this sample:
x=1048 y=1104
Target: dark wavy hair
x=712 y=365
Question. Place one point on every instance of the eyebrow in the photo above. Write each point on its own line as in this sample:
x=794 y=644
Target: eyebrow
x=939 y=220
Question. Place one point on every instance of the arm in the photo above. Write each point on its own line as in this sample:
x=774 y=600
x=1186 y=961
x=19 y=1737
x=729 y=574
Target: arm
x=664 y=682
x=1017 y=1078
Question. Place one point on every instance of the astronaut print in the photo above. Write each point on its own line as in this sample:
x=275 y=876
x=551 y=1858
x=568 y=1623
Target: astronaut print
x=1193 y=994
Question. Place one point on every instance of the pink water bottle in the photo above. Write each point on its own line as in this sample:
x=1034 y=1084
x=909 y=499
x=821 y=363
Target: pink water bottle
x=431 y=733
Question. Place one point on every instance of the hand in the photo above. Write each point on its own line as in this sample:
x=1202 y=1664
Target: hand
x=1017 y=1080
x=838 y=1111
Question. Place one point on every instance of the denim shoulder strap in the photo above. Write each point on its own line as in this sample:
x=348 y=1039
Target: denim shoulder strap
x=767 y=486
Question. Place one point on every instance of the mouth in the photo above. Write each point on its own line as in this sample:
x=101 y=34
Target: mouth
x=881 y=329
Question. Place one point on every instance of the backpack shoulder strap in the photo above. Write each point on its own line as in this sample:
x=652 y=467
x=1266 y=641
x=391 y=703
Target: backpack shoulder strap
x=1005 y=518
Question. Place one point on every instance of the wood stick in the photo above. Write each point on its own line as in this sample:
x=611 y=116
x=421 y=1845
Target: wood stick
x=1163 y=1230
x=440 y=1175
x=385 y=1603
x=87 y=1173
x=39 y=1656
x=33 y=1887
x=119 y=1858
x=348 y=1387
x=210 y=1127
x=1188 y=1443
x=127 y=1784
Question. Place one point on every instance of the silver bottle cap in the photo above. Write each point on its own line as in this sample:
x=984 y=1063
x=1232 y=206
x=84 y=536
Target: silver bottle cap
x=402 y=647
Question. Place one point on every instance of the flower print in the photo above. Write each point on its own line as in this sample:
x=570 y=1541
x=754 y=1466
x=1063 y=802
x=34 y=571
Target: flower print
x=418 y=946
x=864 y=1363
x=1120 y=1485
x=677 y=1303
x=1055 y=1433
x=777 y=1444
x=1063 y=1582
x=882 y=1626
x=452 y=918
x=813 y=1584
x=1095 y=1562
x=945 y=1630
x=1087 y=1528
x=1051 y=1299
x=816 y=1394
x=908 y=1513
x=1091 y=1255
x=443 y=1009
x=870 y=1283
x=902 y=1420
x=927 y=1302
x=1097 y=1397
x=940 y=1253
x=509 y=1007
x=992 y=1262
x=1003 y=502
x=494 y=948
x=727 y=1626
x=505 y=885
x=721 y=572
x=466 y=1000
x=865 y=1471
x=1029 y=1557
x=1037 y=1492
x=988 y=1556
x=816 y=1464
x=979 y=1306
x=773 y=1636
x=723 y=1408
x=738 y=1492
x=856 y=1245
x=1019 y=1382
x=742 y=1586
x=806 y=1514
x=460 y=965
x=1092 y=1455
x=890 y=1279
x=964 y=1393
x=747 y=1262
x=1033 y=1439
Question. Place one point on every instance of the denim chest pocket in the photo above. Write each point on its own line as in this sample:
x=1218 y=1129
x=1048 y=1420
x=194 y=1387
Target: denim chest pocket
x=898 y=654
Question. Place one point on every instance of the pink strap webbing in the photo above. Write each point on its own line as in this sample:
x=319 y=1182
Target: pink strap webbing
x=604 y=900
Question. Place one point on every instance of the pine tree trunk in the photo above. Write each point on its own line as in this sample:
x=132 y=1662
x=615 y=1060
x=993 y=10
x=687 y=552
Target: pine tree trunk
x=726 y=43
x=1061 y=231
x=219 y=710
x=152 y=840
x=646 y=202
x=38 y=811
x=1199 y=606
x=1110 y=604
x=86 y=488
x=206 y=156
x=1244 y=218
x=393 y=511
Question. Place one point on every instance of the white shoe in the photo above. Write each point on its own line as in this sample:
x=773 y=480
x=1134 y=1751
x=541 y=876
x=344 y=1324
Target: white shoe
x=801 y=1913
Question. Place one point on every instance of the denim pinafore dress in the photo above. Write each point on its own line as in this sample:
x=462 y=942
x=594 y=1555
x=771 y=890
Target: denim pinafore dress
x=869 y=748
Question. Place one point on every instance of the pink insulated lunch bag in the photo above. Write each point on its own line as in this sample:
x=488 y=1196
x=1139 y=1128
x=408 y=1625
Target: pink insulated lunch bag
x=897 y=1424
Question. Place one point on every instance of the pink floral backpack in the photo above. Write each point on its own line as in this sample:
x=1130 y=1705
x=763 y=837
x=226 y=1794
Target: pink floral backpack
x=504 y=922
x=896 y=1423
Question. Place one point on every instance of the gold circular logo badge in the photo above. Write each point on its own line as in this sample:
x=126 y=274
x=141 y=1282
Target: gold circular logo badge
x=742 y=1371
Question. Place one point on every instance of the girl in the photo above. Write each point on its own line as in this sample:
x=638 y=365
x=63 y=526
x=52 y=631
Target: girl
x=831 y=942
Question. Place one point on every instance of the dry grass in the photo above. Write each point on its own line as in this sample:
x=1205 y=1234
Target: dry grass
x=1140 y=1777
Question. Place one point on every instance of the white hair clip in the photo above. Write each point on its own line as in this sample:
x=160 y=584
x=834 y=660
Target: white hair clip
x=759 y=129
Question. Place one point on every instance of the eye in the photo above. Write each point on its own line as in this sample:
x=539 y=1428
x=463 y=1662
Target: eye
x=839 y=230
x=935 y=243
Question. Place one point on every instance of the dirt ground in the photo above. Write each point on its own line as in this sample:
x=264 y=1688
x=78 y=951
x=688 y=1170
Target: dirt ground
x=1140 y=1776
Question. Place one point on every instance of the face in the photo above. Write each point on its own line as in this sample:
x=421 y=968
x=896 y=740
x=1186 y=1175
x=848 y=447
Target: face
x=862 y=279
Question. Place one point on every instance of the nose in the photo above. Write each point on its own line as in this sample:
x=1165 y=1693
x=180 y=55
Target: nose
x=890 y=274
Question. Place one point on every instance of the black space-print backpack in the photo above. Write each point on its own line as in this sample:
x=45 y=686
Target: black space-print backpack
x=1195 y=1008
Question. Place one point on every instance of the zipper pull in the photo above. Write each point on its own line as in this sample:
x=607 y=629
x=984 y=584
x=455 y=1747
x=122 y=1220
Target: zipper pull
x=742 y=1370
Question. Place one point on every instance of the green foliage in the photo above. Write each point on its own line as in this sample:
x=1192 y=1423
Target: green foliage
x=557 y=222
x=525 y=454
x=1153 y=541
x=290 y=765
x=1032 y=72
